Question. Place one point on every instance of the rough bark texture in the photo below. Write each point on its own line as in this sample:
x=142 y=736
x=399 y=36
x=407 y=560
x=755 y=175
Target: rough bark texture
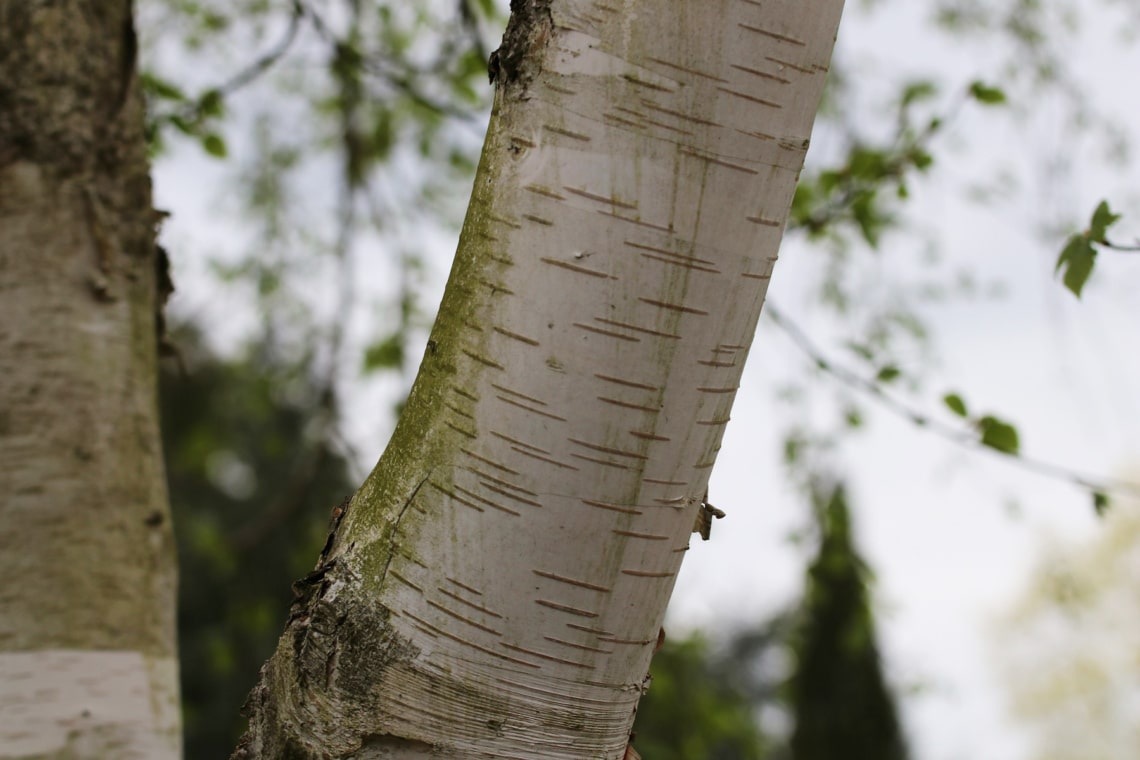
x=495 y=588
x=87 y=648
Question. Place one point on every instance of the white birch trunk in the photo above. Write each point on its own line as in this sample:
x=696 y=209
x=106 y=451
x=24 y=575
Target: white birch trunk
x=496 y=588
x=88 y=667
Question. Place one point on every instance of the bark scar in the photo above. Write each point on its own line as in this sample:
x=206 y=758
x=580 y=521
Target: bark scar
x=519 y=58
x=399 y=517
x=100 y=277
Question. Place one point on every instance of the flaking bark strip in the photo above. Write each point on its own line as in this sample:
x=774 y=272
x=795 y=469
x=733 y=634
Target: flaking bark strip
x=519 y=58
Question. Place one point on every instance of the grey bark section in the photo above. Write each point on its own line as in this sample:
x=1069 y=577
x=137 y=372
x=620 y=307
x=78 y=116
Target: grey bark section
x=88 y=555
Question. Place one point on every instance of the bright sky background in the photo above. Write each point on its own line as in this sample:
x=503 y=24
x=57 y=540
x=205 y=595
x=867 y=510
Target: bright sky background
x=952 y=535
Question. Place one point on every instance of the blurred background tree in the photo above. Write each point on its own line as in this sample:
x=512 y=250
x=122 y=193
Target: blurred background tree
x=251 y=492
x=1068 y=647
x=841 y=701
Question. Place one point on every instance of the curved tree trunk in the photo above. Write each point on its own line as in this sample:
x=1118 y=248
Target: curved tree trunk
x=496 y=587
x=87 y=651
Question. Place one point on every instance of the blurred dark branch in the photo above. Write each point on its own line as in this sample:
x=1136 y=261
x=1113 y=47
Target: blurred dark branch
x=1121 y=248
x=399 y=76
x=270 y=57
x=201 y=108
x=469 y=17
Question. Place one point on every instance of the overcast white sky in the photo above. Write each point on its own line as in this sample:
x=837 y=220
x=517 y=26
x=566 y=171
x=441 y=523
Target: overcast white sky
x=951 y=534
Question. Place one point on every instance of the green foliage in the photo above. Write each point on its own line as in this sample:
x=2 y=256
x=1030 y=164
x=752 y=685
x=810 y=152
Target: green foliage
x=250 y=497
x=888 y=373
x=998 y=435
x=169 y=106
x=385 y=354
x=213 y=144
x=691 y=711
x=987 y=95
x=842 y=705
x=956 y=404
x=1079 y=254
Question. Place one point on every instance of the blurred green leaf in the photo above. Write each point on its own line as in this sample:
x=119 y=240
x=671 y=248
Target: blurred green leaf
x=986 y=95
x=1100 y=503
x=214 y=145
x=888 y=374
x=1077 y=259
x=998 y=435
x=918 y=91
x=956 y=404
x=1102 y=219
x=385 y=354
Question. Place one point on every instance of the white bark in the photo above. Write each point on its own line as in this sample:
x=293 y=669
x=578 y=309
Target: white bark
x=514 y=550
x=87 y=634
x=85 y=704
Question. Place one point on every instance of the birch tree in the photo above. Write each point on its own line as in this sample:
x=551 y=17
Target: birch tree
x=87 y=651
x=496 y=586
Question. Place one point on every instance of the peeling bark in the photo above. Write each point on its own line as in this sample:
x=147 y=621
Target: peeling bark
x=496 y=588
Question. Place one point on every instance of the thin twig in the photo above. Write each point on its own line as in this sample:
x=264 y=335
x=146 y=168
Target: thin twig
x=961 y=437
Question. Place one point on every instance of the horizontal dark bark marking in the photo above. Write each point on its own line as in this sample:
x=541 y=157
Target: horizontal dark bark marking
x=686 y=69
x=571 y=581
x=530 y=409
x=773 y=35
x=607 y=333
x=489 y=462
x=517 y=442
x=516 y=336
x=566 y=133
x=550 y=657
x=627 y=383
x=673 y=307
x=509 y=495
x=472 y=605
x=465 y=587
x=566 y=608
x=554 y=462
x=611 y=507
x=634 y=534
x=750 y=98
x=488 y=502
x=628 y=405
x=648 y=436
x=638 y=328
x=465 y=642
x=404 y=580
x=607 y=449
x=761 y=74
x=483 y=360
x=638 y=222
x=470 y=434
x=463 y=618
x=602 y=462
x=576 y=268
x=544 y=191
x=646 y=574
x=720 y=161
x=608 y=200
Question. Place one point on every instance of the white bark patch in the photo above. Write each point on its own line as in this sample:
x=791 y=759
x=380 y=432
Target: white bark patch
x=119 y=705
